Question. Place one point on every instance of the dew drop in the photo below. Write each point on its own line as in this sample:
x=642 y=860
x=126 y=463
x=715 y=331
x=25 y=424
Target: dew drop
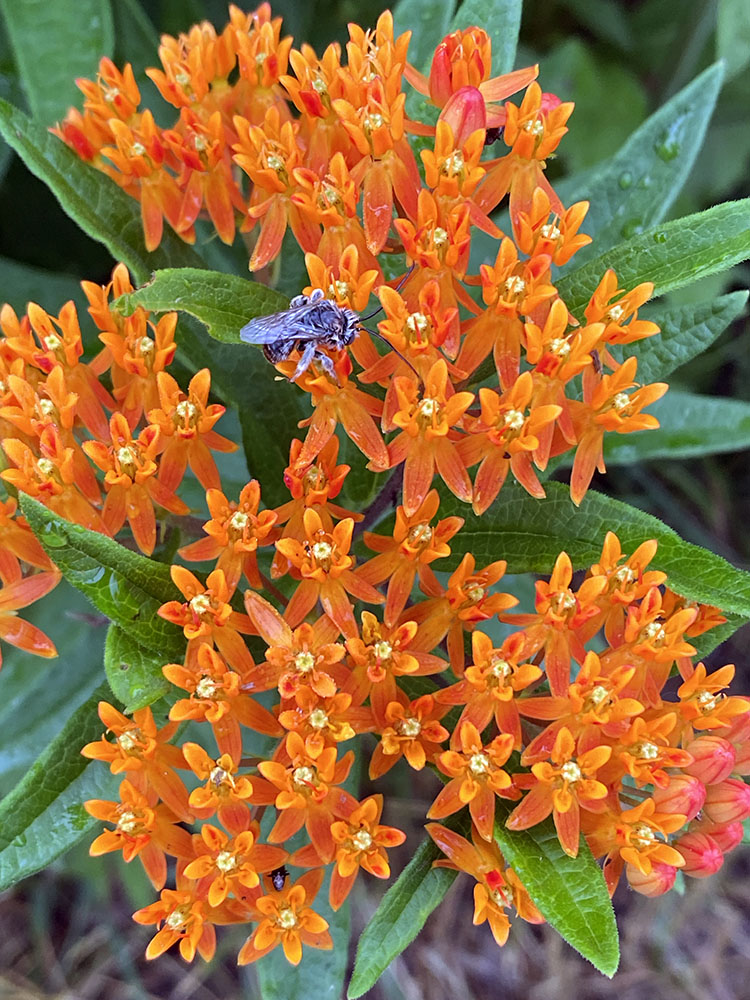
x=660 y=237
x=631 y=228
x=625 y=180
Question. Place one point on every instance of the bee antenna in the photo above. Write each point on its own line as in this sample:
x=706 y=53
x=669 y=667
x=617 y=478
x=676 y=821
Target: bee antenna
x=399 y=286
x=379 y=335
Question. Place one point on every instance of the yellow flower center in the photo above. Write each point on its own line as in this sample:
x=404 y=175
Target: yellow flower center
x=46 y=407
x=621 y=401
x=339 y=289
x=126 y=459
x=429 y=408
x=410 y=727
x=362 y=840
x=439 y=238
x=515 y=285
x=129 y=740
x=475 y=593
x=177 y=918
x=560 y=347
x=615 y=313
x=419 y=536
x=382 y=650
x=371 y=121
x=287 y=918
x=535 y=127
x=513 y=420
x=128 y=822
x=322 y=552
x=200 y=604
x=226 y=861
x=304 y=662
x=707 y=702
x=46 y=467
x=303 y=777
x=274 y=162
x=218 y=776
x=500 y=668
x=598 y=694
x=453 y=164
x=654 y=633
x=645 y=750
x=186 y=412
x=146 y=346
x=624 y=575
x=571 y=772
x=641 y=835
x=239 y=521
x=318 y=719
x=550 y=231
x=479 y=763
x=206 y=688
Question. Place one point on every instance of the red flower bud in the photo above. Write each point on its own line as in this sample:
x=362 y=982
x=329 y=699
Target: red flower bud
x=703 y=856
x=727 y=837
x=660 y=880
x=684 y=794
x=713 y=759
x=465 y=112
x=728 y=801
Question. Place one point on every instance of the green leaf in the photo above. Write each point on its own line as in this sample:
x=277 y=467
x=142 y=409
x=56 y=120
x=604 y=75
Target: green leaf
x=128 y=588
x=134 y=673
x=53 y=43
x=671 y=255
x=319 y=973
x=570 y=892
x=429 y=22
x=531 y=533
x=38 y=695
x=637 y=186
x=685 y=333
x=501 y=19
x=400 y=916
x=22 y=283
x=222 y=302
x=240 y=373
x=43 y=815
x=733 y=35
x=689 y=425
x=101 y=209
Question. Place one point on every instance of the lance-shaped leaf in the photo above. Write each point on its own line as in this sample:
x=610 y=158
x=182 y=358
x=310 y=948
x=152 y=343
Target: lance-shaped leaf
x=134 y=672
x=686 y=332
x=128 y=588
x=501 y=19
x=53 y=43
x=636 y=187
x=570 y=893
x=224 y=303
x=671 y=255
x=43 y=815
x=400 y=916
x=531 y=533
x=101 y=209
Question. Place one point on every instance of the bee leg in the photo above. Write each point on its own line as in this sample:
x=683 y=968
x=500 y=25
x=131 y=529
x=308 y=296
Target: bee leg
x=308 y=356
x=326 y=364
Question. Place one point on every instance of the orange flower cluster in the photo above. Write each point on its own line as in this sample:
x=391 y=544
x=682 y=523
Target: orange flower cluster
x=653 y=782
x=257 y=147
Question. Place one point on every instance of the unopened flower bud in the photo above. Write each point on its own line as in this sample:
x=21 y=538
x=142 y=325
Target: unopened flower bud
x=656 y=883
x=727 y=801
x=713 y=759
x=684 y=794
x=703 y=856
x=727 y=836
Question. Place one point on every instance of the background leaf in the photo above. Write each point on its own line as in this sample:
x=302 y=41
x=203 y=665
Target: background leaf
x=126 y=587
x=43 y=815
x=53 y=43
x=569 y=892
x=134 y=673
x=400 y=916
x=638 y=185
x=733 y=35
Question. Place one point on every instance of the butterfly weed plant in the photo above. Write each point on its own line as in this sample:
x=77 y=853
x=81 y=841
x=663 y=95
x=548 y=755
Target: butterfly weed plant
x=341 y=608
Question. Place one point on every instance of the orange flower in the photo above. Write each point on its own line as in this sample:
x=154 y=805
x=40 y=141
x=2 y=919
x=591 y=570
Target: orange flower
x=382 y=655
x=323 y=722
x=130 y=479
x=476 y=778
x=216 y=696
x=20 y=594
x=288 y=919
x=410 y=730
x=490 y=684
x=361 y=843
x=142 y=829
x=702 y=702
x=185 y=918
x=235 y=530
x=305 y=657
x=207 y=616
x=308 y=793
x=19 y=544
x=562 y=788
x=610 y=408
x=414 y=545
x=557 y=236
x=224 y=792
x=425 y=442
x=325 y=569
x=230 y=866
x=142 y=750
x=186 y=422
x=504 y=438
x=627 y=581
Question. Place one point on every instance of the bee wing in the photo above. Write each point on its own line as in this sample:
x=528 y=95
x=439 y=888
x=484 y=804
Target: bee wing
x=291 y=324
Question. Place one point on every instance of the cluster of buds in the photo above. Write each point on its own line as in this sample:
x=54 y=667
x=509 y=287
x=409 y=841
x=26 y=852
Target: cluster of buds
x=580 y=688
